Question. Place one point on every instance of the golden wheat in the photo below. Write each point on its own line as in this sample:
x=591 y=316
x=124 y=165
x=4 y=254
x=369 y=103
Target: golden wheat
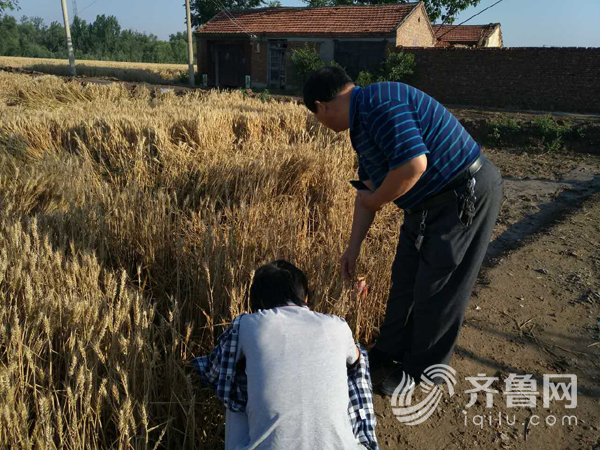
x=124 y=71
x=130 y=226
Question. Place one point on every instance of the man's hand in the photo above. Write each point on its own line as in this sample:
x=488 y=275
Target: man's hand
x=368 y=200
x=348 y=262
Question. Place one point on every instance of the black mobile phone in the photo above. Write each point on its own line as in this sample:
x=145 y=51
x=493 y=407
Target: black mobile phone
x=359 y=185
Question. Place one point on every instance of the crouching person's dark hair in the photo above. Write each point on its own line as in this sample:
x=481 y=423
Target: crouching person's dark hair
x=324 y=85
x=278 y=284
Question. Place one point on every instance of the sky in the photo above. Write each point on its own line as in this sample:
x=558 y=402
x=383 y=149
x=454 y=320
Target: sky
x=525 y=23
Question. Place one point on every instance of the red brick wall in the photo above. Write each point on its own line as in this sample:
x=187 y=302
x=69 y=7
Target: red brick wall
x=202 y=56
x=545 y=79
x=258 y=62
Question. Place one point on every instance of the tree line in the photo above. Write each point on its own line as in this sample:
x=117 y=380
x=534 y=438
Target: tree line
x=103 y=39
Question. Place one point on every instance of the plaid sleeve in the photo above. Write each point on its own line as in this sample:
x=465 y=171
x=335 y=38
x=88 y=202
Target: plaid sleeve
x=361 y=410
x=218 y=370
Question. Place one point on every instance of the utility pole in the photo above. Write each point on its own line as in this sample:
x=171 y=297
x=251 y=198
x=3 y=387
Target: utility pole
x=190 y=43
x=72 y=69
x=75 y=8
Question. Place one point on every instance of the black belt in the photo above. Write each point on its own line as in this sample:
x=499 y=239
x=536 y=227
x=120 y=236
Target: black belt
x=447 y=192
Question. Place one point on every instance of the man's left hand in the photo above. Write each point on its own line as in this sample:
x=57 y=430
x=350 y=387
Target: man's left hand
x=369 y=201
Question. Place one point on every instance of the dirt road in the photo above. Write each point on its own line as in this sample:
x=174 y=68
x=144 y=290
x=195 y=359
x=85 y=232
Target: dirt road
x=535 y=310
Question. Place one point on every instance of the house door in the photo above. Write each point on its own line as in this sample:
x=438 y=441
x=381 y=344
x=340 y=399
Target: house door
x=277 y=64
x=231 y=65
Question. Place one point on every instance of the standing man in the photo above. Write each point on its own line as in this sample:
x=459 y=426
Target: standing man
x=412 y=151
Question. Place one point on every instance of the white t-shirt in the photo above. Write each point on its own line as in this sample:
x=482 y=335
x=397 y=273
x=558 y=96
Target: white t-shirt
x=296 y=363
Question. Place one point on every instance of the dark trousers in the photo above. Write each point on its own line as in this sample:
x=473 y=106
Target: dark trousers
x=431 y=287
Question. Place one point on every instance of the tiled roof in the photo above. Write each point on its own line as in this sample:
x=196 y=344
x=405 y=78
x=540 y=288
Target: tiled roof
x=463 y=34
x=343 y=20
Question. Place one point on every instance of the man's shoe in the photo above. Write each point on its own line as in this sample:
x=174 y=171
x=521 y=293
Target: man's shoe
x=381 y=365
x=398 y=382
x=378 y=358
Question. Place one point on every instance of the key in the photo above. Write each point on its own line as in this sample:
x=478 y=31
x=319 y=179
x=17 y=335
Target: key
x=419 y=241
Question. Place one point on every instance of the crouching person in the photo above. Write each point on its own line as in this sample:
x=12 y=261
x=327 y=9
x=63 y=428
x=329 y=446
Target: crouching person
x=290 y=378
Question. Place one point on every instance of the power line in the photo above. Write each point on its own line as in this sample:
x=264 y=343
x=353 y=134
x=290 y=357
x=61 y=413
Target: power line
x=231 y=17
x=88 y=6
x=462 y=23
x=75 y=8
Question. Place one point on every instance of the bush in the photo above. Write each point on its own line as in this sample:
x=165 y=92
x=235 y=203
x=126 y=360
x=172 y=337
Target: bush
x=397 y=67
x=364 y=78
x=551 y=132
x=306 y=60
x=505 y=128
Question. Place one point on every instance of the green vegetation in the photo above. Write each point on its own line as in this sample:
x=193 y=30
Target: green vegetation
x=101 y=40
x=397 y=67
x=551 y=132
x=8 y=4
x=364 y=78
x=504 y=128
x=306 y=60
x=264 y=95
x=544 y=132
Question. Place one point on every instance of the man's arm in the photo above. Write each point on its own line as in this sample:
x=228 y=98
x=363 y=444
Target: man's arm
x=397 y=183
x=362 y=219
x=361 y=222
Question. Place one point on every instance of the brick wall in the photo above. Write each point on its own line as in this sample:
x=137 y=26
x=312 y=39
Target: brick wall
x=416 y=31
x=545 y=79
x=202 y=56
x=258 y=61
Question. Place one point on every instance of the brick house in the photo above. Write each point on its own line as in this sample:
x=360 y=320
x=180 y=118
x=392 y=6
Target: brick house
x=475 y=36
x=255 y=45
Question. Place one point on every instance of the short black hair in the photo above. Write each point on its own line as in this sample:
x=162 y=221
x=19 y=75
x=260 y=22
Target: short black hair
x=324 y=85
x=278 y=284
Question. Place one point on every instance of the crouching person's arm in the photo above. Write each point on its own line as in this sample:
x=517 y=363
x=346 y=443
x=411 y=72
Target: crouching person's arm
x=219 y=372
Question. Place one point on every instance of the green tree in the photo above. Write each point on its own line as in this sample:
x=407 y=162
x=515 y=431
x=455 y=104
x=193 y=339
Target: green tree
x=80 y=34
x=445 y=10
x=54 y=38
x=397 y=67
x=9 y=36
x=203 y=11
x=105 y=33
x=8 y=5
x=306 y=60
x=102 y=39
x=178 y=43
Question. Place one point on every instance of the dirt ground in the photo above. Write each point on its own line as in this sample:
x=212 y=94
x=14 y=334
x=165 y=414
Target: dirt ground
x=535 y=310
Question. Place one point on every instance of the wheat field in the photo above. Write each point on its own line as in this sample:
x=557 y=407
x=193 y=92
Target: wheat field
x=123 y=71
x=130 y=227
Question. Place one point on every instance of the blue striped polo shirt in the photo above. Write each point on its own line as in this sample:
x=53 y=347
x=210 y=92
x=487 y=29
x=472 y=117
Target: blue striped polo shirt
x=391 y=123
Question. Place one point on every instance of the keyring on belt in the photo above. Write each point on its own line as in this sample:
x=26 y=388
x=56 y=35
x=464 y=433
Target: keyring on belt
x=420 y=237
